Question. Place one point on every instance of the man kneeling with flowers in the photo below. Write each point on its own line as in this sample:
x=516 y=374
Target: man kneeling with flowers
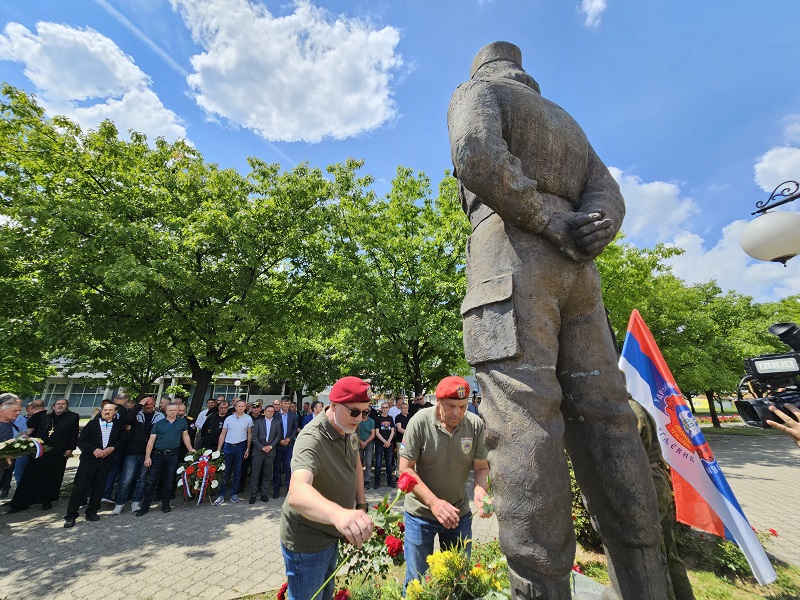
x=326 y=499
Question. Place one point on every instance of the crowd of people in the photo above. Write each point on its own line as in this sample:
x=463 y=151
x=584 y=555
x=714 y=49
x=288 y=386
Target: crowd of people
x=129 y=451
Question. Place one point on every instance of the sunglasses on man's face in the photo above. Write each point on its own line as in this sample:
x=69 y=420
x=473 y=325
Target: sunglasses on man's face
x=354 y=412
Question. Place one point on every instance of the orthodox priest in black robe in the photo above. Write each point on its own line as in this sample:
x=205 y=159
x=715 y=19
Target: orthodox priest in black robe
x=41 y=481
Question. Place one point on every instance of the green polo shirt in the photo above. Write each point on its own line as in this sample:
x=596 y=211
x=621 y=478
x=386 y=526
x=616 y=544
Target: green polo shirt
x=444 y=460
x=169 y=435
x=331 y=458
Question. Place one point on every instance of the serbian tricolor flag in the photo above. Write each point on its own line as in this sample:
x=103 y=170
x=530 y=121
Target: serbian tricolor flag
x=703 y=498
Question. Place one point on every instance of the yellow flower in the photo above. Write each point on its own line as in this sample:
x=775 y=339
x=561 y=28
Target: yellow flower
x=477 y=571
x=414 y=589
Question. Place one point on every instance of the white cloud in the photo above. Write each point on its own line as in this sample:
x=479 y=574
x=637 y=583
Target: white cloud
x=727 y=263
x=593 y=9
x=304 y=76
x=791 y=128
x=776 y=166
x=83 y=75
x=654 y=210
x=658 y=211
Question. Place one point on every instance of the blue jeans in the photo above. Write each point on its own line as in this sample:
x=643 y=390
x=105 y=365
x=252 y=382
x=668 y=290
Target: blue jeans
x=419 y=541
x=383 y=455
x=234 y=456
x=134 y=475
x=19 y=467
x=307 y=572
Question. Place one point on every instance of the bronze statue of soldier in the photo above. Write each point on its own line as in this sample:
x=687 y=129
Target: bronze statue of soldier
x=542 y=206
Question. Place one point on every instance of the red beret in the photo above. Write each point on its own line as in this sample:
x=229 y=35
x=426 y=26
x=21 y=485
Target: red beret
x=452 y=387
x=349 y=389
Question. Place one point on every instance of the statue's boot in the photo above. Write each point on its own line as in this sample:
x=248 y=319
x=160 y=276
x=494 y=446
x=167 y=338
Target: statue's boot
x=637 y=573
x=542 y=588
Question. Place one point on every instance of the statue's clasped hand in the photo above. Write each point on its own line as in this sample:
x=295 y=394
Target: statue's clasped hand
x=581 y=236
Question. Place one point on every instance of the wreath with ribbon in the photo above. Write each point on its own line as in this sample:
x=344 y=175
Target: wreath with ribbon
x=201 y=472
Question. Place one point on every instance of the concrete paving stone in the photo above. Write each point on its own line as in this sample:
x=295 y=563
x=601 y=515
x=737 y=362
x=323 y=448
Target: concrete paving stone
x=124 y=556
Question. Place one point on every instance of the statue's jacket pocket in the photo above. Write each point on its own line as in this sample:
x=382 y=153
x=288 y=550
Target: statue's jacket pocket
x=490 y=321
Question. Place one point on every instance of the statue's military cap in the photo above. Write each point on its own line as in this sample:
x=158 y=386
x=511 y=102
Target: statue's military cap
x=496 y=51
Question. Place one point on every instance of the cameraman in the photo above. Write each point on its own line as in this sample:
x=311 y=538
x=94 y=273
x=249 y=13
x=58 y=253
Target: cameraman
x=790 y=426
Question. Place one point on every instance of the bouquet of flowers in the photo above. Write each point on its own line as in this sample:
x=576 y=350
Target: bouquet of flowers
x=202 y=471
x=453 y=575
x=22 y=446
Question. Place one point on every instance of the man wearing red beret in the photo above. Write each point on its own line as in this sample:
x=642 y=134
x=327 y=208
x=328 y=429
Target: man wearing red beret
x=440 y=447
x=326 y=499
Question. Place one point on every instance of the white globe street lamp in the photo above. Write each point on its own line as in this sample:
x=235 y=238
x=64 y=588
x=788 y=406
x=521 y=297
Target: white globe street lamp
x=774 y=236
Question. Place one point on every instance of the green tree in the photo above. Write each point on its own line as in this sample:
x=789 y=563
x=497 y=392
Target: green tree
x=402 y=268
x=153 y=241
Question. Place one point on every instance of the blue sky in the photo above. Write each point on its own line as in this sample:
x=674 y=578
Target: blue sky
x=695 y=106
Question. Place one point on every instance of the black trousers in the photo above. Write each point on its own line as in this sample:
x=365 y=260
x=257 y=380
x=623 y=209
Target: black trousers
x=41 y=481
x=90 y=480
x=161 y=471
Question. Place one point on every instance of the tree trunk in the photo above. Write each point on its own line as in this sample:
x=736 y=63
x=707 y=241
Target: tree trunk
x=202 y=378
x=712 y=409
x=721 y=408
x=691 y=404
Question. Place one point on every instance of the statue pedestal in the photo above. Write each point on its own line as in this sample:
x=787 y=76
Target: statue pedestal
x=586 y=589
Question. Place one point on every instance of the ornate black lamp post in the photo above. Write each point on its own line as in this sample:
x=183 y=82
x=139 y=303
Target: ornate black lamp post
x=774 y=236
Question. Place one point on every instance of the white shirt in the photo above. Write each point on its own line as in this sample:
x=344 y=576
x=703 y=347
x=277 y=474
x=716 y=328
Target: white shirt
x=237 y=428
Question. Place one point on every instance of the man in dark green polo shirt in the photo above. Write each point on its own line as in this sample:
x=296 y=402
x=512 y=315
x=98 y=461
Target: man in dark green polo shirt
x=161 y=457
x=441 y=445
x=326 y=499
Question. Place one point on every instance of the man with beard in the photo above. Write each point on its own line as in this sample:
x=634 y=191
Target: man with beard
x=326 y=499
x=41 y=482
x=211 y=408
x=98 y=442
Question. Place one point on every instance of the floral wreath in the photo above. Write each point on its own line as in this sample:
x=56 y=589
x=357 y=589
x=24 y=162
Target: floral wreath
x=201 y=474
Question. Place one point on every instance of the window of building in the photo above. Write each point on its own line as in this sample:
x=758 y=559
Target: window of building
x=52 y=392
x=230 y=390
x=84 y=396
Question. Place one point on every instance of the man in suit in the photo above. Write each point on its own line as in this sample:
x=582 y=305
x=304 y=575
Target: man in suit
x=41 y=481
x=283 y=457
x=266 y=435
x=97 y=443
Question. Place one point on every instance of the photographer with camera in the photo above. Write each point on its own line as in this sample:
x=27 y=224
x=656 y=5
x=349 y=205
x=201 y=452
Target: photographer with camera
x=790 y=426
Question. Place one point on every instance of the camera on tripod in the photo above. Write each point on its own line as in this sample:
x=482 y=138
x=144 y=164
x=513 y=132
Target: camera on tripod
x=773 y=380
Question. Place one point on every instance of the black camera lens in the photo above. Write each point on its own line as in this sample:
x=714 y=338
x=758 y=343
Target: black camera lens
x=788 y=333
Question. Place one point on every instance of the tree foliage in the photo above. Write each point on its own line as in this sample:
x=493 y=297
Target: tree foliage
x=402 y=257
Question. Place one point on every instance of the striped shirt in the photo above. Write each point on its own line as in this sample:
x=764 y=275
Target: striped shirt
x=105 y=432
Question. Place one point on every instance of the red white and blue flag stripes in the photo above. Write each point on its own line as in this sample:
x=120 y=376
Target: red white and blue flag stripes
x=703 y=498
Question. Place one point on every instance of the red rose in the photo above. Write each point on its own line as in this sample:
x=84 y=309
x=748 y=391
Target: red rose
x=282 y=591
x=773 y=532
x=342 y=595
x=379 y=531
x=393 y=545
x=402 y=526
x=212 y=469
x=577 y=569
x=406 y=483
x=189 y=470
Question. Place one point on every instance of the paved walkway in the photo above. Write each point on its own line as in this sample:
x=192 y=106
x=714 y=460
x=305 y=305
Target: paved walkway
x=220 y=553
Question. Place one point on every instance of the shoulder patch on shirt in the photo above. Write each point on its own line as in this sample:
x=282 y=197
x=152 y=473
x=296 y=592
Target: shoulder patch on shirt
x=466 y=445
x=354 y=442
